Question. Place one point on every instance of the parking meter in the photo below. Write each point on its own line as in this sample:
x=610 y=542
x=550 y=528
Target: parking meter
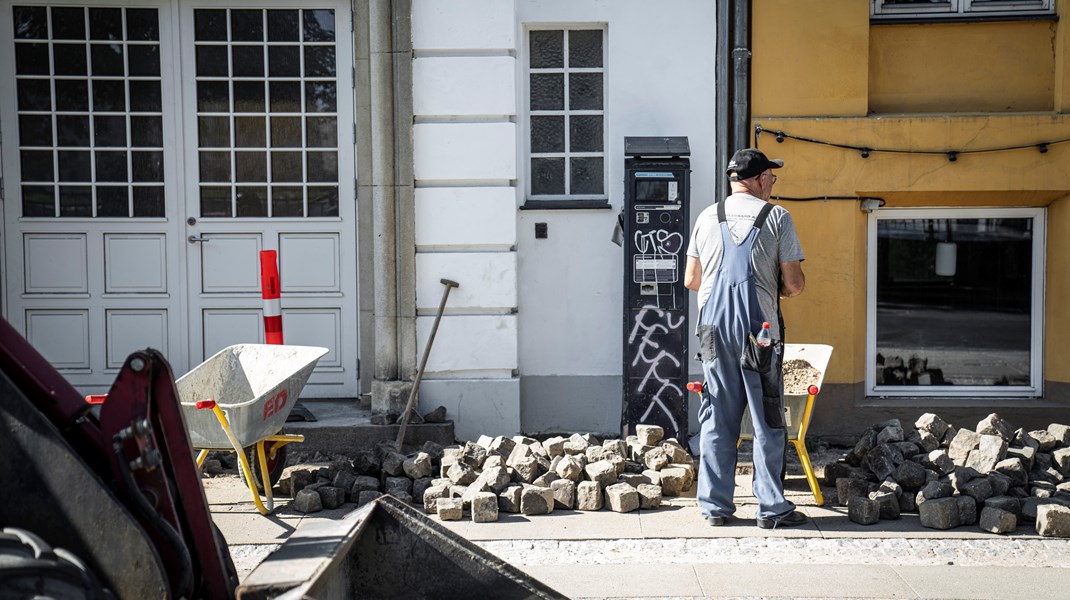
x=656 y=225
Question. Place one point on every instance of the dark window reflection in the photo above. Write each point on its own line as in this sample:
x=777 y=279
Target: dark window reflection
x=30 y=22
x=142 y=24
x=75 y=201
x=282 y=25
x=148 y=201
x=106 y=24
x=215 y=201
x=35 y=94
x=32 y=59
x=323 y=201
x=69 y=59
x=287 y=201
x=953 y=301
x=73 y=95
x=68 y=23
x=252 y=201
x=210 y=25
x=319 y=25
x=112 y=201
x=38 y=201
x=321 y=96
x=145 y=96
x=146 y=132
x=547 y=176
x=247 y=25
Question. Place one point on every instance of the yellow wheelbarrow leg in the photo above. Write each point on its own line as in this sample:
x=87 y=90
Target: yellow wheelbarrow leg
x=248 y=472
x=804 y=456
x=200 y=458
x=265 y=476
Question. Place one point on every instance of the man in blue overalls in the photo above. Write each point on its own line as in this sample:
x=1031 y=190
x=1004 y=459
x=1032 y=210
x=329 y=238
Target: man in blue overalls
x=743 y=257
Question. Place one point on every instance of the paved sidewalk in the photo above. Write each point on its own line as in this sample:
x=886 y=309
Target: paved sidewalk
x=671 y=553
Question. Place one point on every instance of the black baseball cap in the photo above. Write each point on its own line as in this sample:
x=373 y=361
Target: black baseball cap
x=749 y=162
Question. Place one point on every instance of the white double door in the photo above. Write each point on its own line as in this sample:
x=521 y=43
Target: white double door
x=150 y=152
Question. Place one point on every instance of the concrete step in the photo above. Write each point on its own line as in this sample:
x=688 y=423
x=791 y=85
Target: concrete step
x=342 y=426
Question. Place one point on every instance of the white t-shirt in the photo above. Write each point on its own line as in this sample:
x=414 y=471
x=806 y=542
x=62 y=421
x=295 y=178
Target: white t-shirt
x=777 y=242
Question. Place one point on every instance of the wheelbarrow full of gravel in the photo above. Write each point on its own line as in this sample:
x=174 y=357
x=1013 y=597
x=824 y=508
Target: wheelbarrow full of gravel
x=804 y=372
x=239 y=399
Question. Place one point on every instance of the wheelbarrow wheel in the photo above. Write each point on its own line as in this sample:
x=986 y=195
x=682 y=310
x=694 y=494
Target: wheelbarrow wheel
x=274 y=465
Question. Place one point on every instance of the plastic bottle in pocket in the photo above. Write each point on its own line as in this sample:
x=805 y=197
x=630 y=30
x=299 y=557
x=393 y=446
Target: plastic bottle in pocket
x=763 y=338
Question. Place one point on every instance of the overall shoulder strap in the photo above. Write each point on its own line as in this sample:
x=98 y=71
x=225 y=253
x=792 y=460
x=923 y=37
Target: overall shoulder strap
x=721 y=218
x=759 y=221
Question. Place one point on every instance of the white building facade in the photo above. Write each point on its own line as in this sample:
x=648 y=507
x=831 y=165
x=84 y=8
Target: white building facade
x=152 y=149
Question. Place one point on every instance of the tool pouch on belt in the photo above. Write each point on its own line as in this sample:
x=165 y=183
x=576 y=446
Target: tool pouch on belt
x=707 y=343
x=762 y=359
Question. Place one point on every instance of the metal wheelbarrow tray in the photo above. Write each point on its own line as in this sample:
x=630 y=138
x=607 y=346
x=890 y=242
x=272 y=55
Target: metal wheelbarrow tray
x=256 y=385
x=250 y=389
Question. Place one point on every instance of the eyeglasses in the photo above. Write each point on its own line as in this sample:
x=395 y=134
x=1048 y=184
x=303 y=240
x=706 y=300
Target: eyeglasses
x=772 y=178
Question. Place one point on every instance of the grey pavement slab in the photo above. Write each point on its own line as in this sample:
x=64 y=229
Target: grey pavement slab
x=987 y=583
x=619 y=581
x=797 y=580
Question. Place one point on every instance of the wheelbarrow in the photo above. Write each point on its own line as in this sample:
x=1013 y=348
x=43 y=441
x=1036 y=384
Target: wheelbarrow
x=239 y=399
x=797 y=407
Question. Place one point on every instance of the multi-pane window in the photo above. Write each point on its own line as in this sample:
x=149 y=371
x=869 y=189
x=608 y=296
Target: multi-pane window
x=566 y=89
x=956 y=301
x=267 y=112
x=893 y=9
x=90 y=125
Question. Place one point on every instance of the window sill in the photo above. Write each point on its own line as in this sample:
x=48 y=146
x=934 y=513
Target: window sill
x=965 y=18
x=957 y=402
x=566 y=205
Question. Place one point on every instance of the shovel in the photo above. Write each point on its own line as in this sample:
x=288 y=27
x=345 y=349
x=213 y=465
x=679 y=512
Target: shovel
x=410 y=405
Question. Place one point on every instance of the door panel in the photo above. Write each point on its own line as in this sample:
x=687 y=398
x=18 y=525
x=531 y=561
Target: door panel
x=91 y=204
x=268 y=88
x=129 y=129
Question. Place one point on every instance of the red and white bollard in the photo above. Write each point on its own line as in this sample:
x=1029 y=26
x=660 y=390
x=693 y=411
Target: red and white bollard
x=269 y=286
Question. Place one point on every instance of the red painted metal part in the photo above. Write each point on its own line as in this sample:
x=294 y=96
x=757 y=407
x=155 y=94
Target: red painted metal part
x=142 y=415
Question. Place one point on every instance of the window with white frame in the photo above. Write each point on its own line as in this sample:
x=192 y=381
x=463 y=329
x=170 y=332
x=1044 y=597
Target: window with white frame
x=566 y=114
x=90 y=124
x=955 y=302
x=898 y=9
x=267 y=118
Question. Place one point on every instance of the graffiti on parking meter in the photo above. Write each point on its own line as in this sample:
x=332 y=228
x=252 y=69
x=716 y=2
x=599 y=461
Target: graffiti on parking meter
x=658 y=241
x=653 y=332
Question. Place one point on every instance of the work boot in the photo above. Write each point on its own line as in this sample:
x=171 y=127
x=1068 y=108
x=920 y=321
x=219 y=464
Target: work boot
x=791 y=519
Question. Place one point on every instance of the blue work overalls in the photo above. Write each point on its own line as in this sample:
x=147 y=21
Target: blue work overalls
x=739 y=375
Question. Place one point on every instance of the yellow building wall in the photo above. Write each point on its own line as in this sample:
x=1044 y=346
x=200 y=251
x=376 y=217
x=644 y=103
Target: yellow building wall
x=1062 y=60
x=809 y=58
x=822 y=70
x=833 y=232
x=1057 y=312
x=962 y=67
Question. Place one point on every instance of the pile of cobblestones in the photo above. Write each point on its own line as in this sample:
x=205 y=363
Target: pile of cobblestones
x=993 y=476
x=505 y=474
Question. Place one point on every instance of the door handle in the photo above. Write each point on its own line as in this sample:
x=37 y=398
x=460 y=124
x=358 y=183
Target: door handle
x=194 y=239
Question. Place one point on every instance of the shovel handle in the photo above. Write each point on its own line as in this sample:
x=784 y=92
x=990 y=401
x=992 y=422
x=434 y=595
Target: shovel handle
x=449 y=283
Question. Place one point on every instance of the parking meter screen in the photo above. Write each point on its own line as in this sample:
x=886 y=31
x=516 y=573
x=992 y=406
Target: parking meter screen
x=656 y=191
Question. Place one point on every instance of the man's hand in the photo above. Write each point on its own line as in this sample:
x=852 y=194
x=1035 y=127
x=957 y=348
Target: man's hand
x=792 y=279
